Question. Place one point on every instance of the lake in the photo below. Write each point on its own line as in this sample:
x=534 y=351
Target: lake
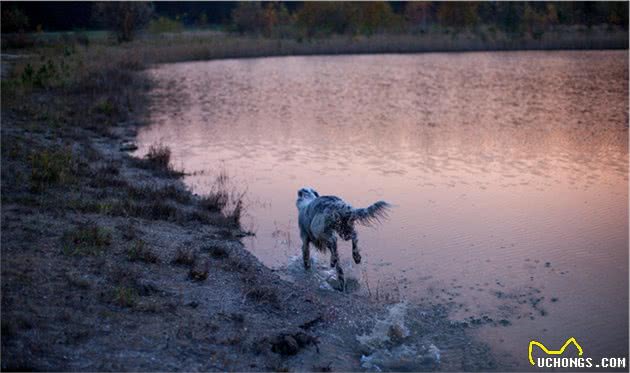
x=508 y=172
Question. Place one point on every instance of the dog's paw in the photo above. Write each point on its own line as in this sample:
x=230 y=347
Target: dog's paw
x=356 y=257
x=341 y=285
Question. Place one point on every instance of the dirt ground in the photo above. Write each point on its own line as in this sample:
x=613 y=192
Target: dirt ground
x=110 y=264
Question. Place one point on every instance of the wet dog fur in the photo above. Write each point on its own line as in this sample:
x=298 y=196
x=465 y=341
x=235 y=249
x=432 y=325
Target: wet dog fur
x=322 y=218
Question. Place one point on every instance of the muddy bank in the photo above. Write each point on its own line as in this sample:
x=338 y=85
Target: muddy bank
x=110 y=263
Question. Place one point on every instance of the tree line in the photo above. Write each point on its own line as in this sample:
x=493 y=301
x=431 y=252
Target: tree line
x=313 y=19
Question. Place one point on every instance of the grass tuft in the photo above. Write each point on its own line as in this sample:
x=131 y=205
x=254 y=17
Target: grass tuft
x=199 y=271
x=184 y=256
x=139 y=251
x=159 y=156
x=226 y=199
x=218 y=252
x=51 y=167
x=125 y=296
x=87 y=239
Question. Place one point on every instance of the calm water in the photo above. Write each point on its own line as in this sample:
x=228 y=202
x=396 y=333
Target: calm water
x=509 y=172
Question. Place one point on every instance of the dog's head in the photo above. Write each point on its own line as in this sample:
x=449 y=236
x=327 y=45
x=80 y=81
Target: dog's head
x=305 y=196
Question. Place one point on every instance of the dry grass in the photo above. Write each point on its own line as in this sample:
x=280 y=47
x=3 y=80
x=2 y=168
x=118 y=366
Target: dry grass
x=158 y=159
x=199 y=270
x=224 y=197
x=139 y=251
x=51 y=167
x=159 y=156
x=217 y=252
x=185 y=256
x=124 y=296
x=86 y=239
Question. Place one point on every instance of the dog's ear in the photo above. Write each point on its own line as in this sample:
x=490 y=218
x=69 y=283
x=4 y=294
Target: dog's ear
x=315 y=193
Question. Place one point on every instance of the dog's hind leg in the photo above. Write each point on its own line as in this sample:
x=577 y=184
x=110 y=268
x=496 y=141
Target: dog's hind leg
x=355 y=248
x=334 y=262
x=306 y=254
x=331 y=242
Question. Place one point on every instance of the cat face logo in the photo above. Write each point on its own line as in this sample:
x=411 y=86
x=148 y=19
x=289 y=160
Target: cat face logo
x=553 y=352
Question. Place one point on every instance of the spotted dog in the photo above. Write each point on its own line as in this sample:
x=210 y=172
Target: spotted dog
x=321 y=217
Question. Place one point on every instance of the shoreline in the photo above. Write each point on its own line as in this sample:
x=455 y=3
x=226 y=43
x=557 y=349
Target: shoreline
x=236 y=47
x=188 y=46
x=113 y=256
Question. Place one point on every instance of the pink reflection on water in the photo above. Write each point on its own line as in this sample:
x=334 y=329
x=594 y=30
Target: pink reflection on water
x=498 y=163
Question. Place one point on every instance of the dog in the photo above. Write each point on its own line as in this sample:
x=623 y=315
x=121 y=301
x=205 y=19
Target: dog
x=319 y=218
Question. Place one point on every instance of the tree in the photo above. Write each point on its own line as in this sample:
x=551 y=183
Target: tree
x=375 y=16
x=248 y=17
x=13 y=20
x=327 y=17
x=124 y=18
x=418 y=13
x=458 y=14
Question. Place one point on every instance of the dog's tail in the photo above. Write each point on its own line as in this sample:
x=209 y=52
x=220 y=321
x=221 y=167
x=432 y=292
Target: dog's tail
x=371 y=215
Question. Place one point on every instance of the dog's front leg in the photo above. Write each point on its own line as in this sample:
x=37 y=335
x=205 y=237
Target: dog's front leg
x=355 y=248
x=306 y=254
